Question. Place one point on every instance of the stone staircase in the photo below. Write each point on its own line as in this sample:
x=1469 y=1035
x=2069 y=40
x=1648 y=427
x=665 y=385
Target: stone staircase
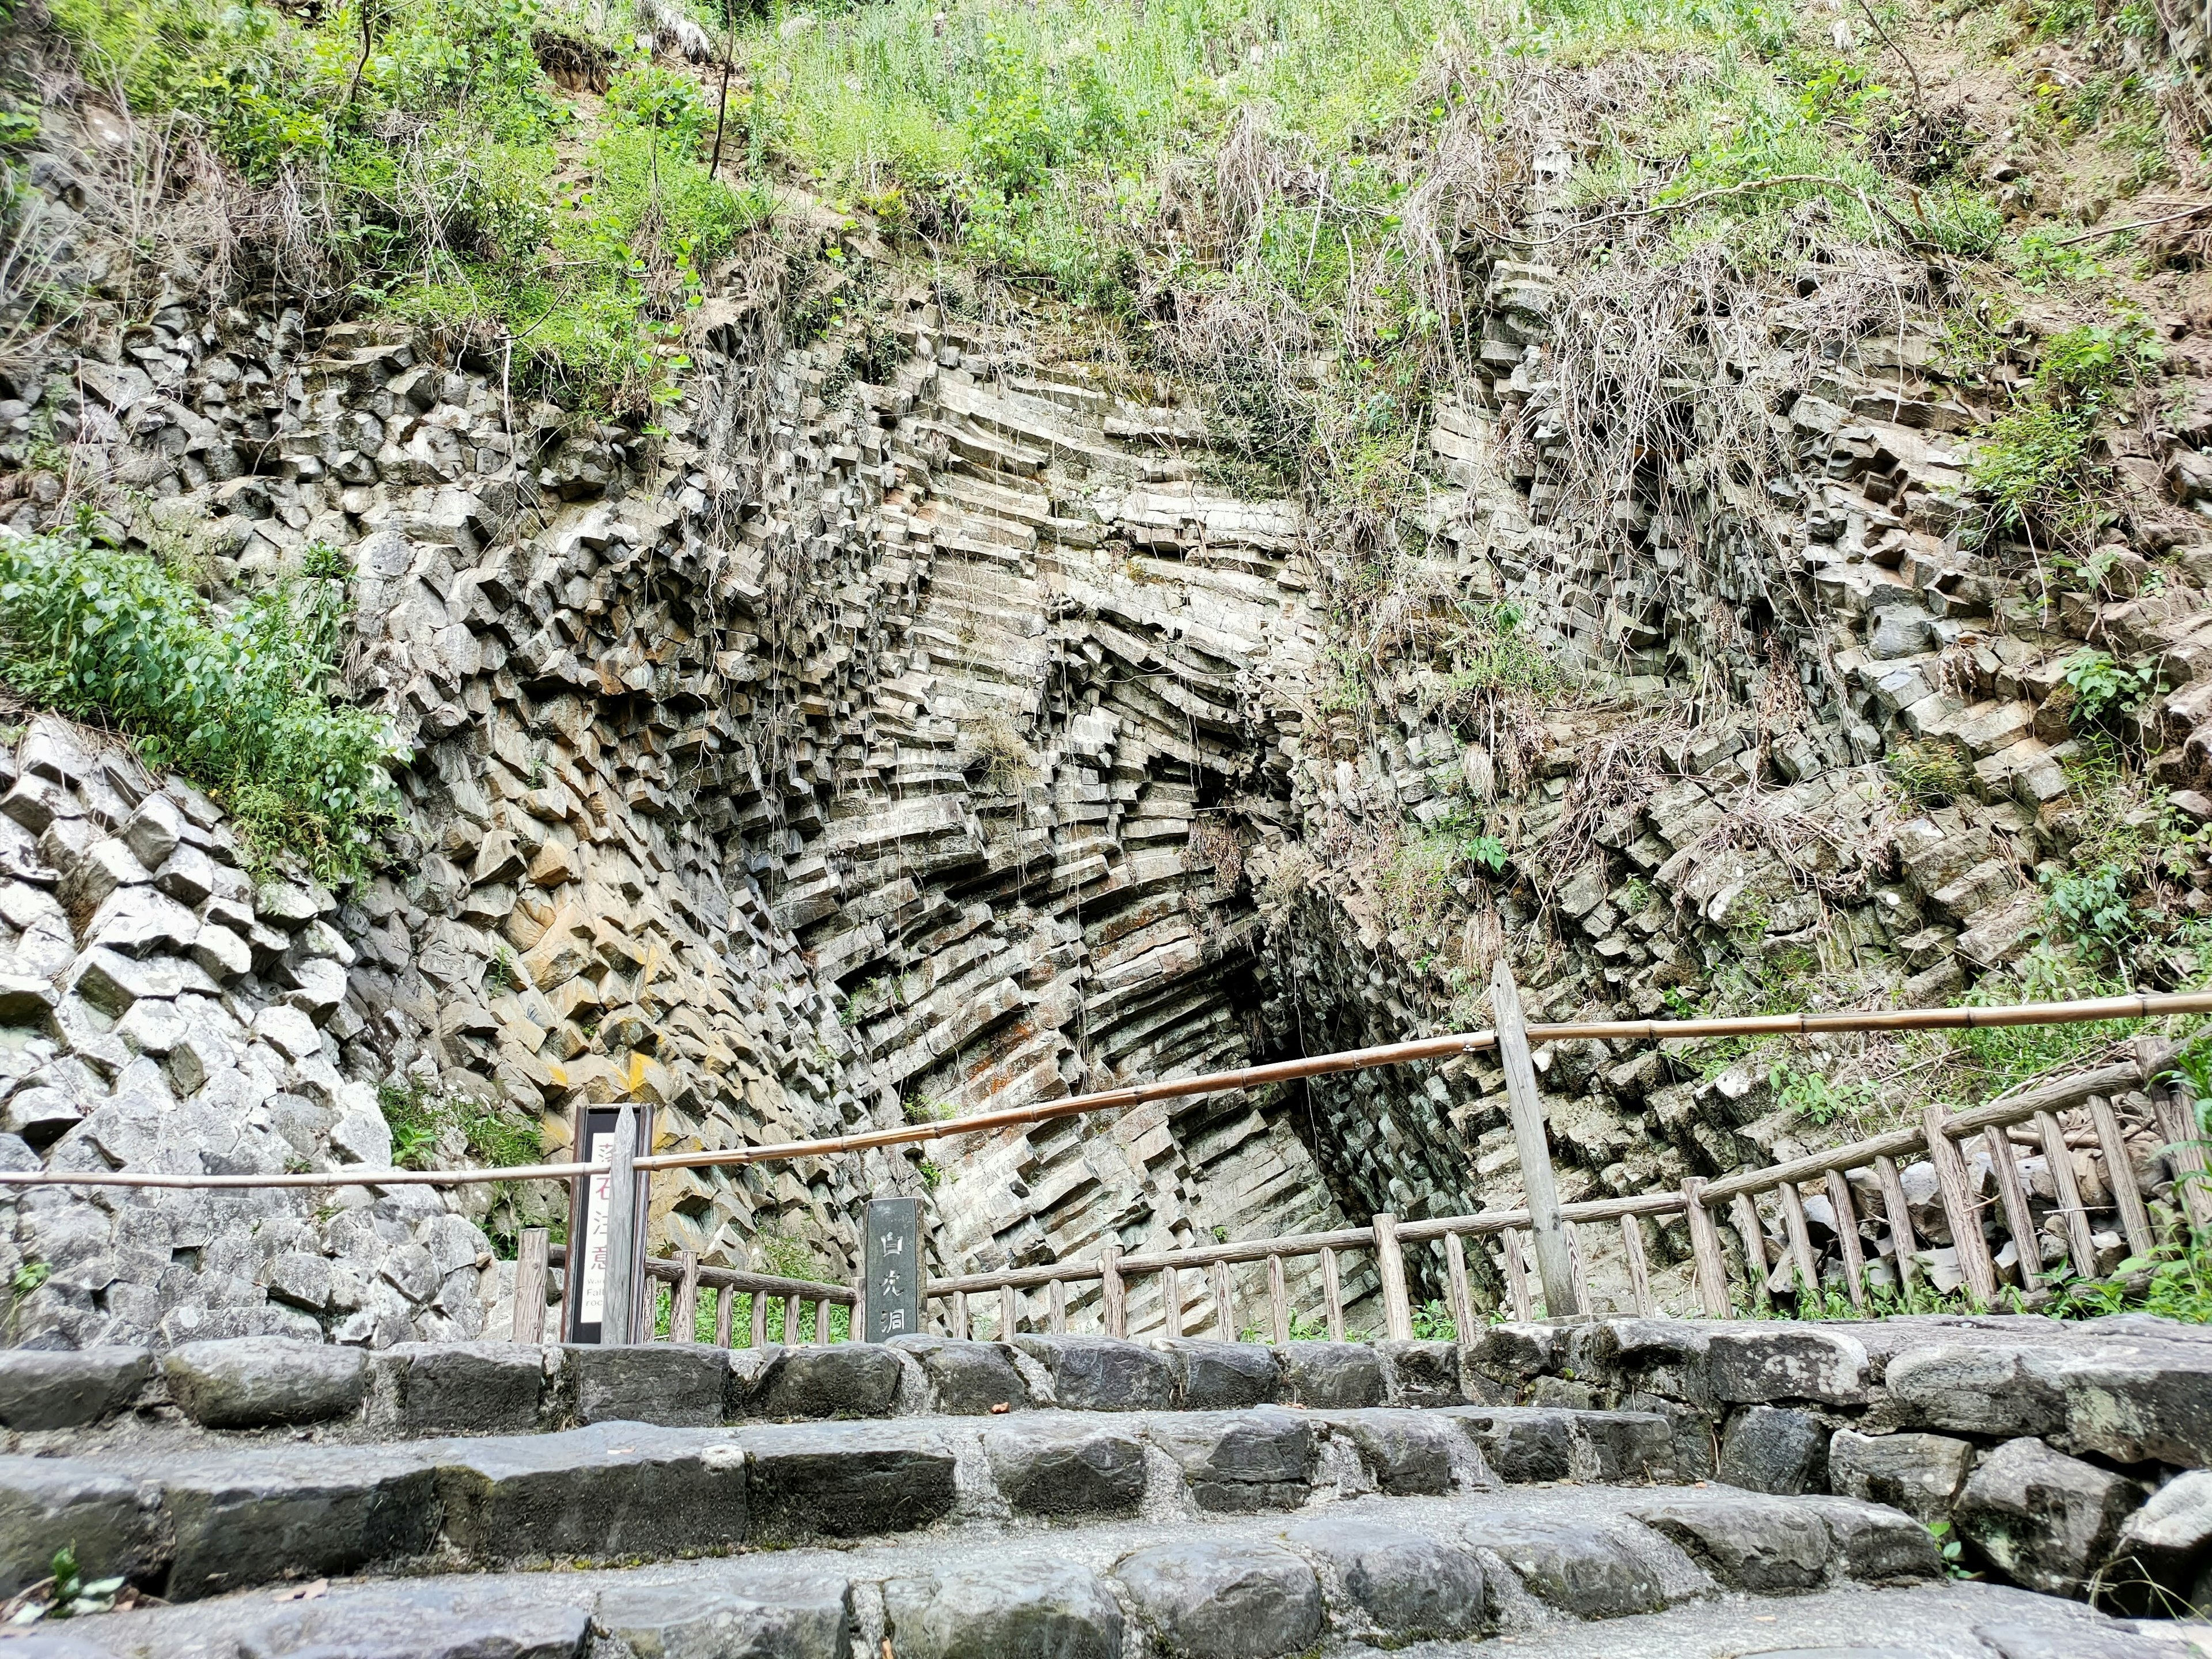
x=1075 y=1497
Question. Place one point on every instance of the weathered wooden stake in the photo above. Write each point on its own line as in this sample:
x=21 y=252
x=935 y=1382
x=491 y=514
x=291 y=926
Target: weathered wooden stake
x=1752 y=1237
x=1973 y=1249
x=2184 y=1149
x=1639 y=1274
x=683 y=1309
x=1009 y=1312
x=1800 y=1238
x=2020 y=1220
x=726 y=1305
x=1390 y=1263
x=1279 y=1301
x=759 y=1319
x=1332 y=1291
x=1171 y=1301
x=530 y=1274
x=1224 y=1303
x=618 y=1310
x=1847 y=1237
x=1554 y=1264
x=1516 y=1274
x=1115 y=1298
x=1059 y=1307
x=1462 y=1304
x=1709 y=1261
x=2120 y=1176
x=1902 y=1241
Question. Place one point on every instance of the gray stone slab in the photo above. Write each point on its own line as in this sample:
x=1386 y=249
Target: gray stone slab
x=1204 y=1599
x=255 y=1516
x=674 y=1385
x=1587 y=1571
x=1918 y=1473
x=755 y=1612
x=1102 y=1374
x=69 y=1388
x=1406 y=1450
x=1747 y=1540
x=1976 y=1388
x=1523 y=1442
x=1335 y=1376
x=846 y=1479
x=1771 y=1362
x=458 y=1387
x=1213 y=1376
x=603 y=1492
x=966 y=1379
x=1624 y=1447
x=1048 y=1466
x=1006 y=1610
x=1775 y=1449
x=255 y=1382
x=2046 y=1520
x=1876 y=1544
x=1426 y=1373
x=1236 y=1462
x=850 y=1379
x=111 y=1518
x=1407 y=1585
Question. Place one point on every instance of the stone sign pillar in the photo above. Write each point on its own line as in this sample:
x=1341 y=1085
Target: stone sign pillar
x=890 y=1299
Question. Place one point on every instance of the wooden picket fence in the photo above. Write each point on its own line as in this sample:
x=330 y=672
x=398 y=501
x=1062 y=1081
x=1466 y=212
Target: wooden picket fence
x=687 y=1276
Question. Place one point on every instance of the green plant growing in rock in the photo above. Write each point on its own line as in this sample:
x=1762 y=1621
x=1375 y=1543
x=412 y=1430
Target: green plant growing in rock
x=1812 y=1097
x=1930 y=772
x=241 y=703
x=2090 y=910
x=2103 y=688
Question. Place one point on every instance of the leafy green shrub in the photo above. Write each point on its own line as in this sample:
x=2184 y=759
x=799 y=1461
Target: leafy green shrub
x=2103 y=687
x=239 y=704
x=2036 y=467
x=1814 y=1097
x=2090 y=910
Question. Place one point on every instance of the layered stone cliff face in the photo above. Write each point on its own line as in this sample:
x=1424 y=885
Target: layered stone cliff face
x=919 y=726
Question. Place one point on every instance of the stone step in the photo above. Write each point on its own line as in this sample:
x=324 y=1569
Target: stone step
x=1374 y=1569
x=194 y=1519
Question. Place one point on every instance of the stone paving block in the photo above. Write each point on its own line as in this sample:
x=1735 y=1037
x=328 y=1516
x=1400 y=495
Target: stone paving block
x=1049 y=1467
x=1579 y=1569
x=1522 y=1443
x=1408 y=1585
x=433 y=1619
x=1335 y=1376
x=1919 y=1473
x=1207 y=1600
x=2134 y=1408
x=748 y=1610
x=966 y=1379
x=1775 y=1449
x=613 y=1490
x=1221 y=1375
x=846 y=1479
x=1625 y=1446
x=1756 y=1366
x=1426 y=1373
x=1875 y=1543
x=1747 y=1541
x=1407 y=1450
x=458 y=1387
x=850 y=1379
x=1692 y=1453
x=2046 y=1520
x=1976 y=1389
x=69 y=1388
x=1009 y=1610
x=110 y=1518
x=255 y=1516
x=675 y=1384
x=2167 y=1543
x=1101 y=1373
x=1236 y=1462
x=254 y=1382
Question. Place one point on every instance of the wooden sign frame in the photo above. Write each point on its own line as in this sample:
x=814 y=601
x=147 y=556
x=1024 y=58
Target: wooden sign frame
x=590 y=1120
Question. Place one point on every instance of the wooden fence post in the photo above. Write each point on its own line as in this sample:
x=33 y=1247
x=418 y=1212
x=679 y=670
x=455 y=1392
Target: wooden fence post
x=1171 y=1301
x=1639 y=1274
x=683 y=1310
x=618 y=1310
x=1332 y=1291
x=726 y=1307
x=1709 y=1264
x=1058 y=1296
x=2020 y=1220
x=1279 y=1301
x=1554 y=1264
x=759 y=1319
x=1847 y=1237
x=1009 y=1312
x=2184 y=1149
x=1800 y=1238
x=1902 y=1242
x=1224 y=1303
x=1390 y=1263
x=530 y=1274
x=1752 y=1236
x=1115 y=1296
x=1973 y=1250
x=1516 y=1274
x=2120 y=1176
x=1462 y=1304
